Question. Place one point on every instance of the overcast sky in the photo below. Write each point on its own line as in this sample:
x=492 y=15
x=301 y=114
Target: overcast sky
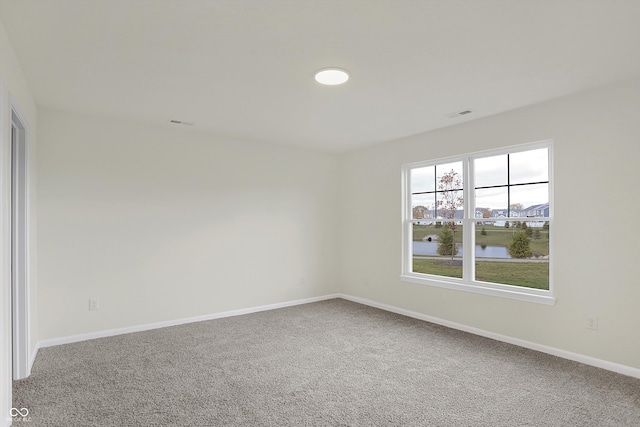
x=528 y=166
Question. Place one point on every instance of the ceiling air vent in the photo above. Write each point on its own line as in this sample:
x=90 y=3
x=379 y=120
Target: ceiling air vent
x=180 y=122
x=459 y=114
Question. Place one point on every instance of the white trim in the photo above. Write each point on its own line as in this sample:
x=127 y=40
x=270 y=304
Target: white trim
x=467 y=283
x=576 y=357
x=5 y=280
x=526 y=294
x=33 y=356
x=468 y=226
x=149 y=326
x=20 y=247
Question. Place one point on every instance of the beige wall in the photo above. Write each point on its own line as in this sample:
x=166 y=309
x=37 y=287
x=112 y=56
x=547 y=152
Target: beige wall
x=597 y=151
x=14 y=93
x=163 y=224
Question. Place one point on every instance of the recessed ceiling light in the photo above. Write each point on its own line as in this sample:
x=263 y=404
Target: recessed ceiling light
x=332 y=76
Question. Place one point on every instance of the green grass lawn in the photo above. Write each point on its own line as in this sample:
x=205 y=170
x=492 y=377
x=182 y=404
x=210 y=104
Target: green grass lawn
x=526 y=274
x=434 y=266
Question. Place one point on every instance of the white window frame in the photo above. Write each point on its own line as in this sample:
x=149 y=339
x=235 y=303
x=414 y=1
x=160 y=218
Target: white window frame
x=467 y=284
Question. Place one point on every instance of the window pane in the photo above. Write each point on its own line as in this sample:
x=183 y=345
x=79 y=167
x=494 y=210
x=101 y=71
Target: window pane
x=449 y=198
x=423 y=205
x=490 y=171
x=494 y=199
x=534 y=199
x=423 y=179
x=517 y=256
x=529 y=166
x=447 y=168
x=432 y=248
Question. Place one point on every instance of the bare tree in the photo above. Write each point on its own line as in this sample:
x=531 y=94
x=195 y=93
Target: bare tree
x=450 y=191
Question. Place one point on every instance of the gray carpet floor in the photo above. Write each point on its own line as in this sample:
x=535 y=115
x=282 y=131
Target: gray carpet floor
x=331 y=363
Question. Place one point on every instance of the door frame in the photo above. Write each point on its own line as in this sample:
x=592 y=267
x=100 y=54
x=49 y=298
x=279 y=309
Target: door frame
x=19 y=227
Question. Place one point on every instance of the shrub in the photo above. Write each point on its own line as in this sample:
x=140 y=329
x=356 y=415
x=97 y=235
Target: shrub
x=519 y=247
x=446 y=245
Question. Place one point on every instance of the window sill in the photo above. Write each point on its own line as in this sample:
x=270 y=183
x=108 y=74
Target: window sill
x=522 y=294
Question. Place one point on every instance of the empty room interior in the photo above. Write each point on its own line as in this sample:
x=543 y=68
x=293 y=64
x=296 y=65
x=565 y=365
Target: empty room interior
x=197 y=229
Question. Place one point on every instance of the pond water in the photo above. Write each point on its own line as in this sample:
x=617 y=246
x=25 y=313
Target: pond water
x=431 y=249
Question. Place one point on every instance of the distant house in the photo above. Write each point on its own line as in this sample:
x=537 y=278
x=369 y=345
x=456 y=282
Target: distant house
x=504 y=214
x=507 y=213
x=531 y=211
x=459 y=214
x=420 y=212
x=537 y=210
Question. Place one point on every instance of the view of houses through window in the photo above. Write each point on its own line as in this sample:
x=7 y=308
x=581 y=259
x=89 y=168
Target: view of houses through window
x=498 y=205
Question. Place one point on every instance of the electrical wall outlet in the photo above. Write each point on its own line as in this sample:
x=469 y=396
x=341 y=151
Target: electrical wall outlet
x=592 y=323
x=94 y=303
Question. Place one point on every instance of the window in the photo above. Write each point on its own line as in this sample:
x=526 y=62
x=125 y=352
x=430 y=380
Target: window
x=481 y=222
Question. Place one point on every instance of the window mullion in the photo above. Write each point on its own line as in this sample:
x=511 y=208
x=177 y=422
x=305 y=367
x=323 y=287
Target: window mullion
x=508 y=187
x=468 y=230
x=407 y=256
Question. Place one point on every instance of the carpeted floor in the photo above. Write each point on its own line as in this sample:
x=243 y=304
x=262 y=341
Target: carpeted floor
x=332 y=363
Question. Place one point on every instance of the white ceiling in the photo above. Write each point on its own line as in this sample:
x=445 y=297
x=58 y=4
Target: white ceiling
x=244 y=68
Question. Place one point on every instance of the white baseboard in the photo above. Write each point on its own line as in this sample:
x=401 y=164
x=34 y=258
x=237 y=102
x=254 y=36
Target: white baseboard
x=149 y=326
x=581 y=358
x=32 y=359
x=576 y=357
